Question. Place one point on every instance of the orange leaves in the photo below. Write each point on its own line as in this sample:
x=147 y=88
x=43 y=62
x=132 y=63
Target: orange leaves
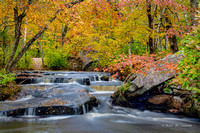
x=130 y=64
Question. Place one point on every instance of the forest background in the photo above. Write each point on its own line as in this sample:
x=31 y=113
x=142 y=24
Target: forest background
x=120 y=36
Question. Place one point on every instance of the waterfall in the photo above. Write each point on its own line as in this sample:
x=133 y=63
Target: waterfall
x=29 y=111
x=84 y=109
x=3 y=114
x=76 y=111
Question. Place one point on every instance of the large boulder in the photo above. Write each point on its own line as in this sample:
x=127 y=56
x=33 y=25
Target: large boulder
x=148 y=90
x=156 y=75
x=44 y=100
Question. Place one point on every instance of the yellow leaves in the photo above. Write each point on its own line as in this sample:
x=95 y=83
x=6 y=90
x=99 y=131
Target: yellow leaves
x=145 y=74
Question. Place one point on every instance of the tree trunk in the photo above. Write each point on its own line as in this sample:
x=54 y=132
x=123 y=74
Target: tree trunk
x=173 y=44
x=18 y=23
x=150 y=24
x=166 y=42
x=64 y=32
x=185 y=15
x=41 y=51
x=4 y=47
x=129 y=45
x=193 y=4
x=13 y=61
x=150 y=16
x=172 y=38
x=159 y=43
x=158 y=28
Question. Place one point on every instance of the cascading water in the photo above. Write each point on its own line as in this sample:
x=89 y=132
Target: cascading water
x=29 y=112
x=54 y=87
x=84 y=109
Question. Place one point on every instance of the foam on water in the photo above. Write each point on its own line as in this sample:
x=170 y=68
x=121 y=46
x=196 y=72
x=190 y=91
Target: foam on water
x=54 y=118
x=102 y=92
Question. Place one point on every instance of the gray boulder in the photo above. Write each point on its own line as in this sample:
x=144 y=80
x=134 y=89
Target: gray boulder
x=42 y=100
x=154 y=76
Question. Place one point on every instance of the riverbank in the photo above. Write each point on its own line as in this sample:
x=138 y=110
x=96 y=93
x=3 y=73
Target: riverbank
x=155 y=90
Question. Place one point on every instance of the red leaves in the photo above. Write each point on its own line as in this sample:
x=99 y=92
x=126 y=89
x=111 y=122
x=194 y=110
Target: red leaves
x=130 y=64
x=125 y=65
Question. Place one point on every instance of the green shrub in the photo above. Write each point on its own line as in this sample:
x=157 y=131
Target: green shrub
x=55 y=59
x=5 y=79
x=8 y=89
x=25 y=62
x=1 y=59
x=190 y=65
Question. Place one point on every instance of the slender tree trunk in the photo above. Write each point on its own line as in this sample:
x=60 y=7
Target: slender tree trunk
x=129 y=45
x=64 y=32
x=158 y=27
x=166 y=42
x=25 y=32
x=193 y=4
x=18 y=23
x=173 y=44
x=150 y=24
x=159 y=43
x=166 y=37
x=41 y=51
x=185 y=15
x=172 y=38
x=4 y=47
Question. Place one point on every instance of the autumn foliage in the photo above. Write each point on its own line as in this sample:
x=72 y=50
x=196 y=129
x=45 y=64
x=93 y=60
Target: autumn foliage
x=116 y=34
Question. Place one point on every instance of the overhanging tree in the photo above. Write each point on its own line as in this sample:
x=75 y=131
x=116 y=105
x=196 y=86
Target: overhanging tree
x=21 y=9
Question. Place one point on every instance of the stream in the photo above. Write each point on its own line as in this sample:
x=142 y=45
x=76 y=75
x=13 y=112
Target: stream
x=104 y=118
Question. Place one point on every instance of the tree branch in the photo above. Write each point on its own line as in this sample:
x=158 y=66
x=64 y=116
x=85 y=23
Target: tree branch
x=34 y=38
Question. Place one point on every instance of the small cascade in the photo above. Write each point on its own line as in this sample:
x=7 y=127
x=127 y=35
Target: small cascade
x=94 y=78
x=87 y=108
x=51 y=80
x=82 y=78
x=29 y=111
x=76 y=111
x=84 y=109
x=97 y=78
x=3 y=114
x=83 y=81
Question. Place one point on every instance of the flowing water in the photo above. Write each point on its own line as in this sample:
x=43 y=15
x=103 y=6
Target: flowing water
x=105 y=118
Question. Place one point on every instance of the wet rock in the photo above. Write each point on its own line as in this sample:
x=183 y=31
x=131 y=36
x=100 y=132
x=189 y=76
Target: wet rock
x=160 y=99
x=177 y=102
x=50 y=100
x=104 y=78
x=192 y=108
x=87 y=82
x=157 y=100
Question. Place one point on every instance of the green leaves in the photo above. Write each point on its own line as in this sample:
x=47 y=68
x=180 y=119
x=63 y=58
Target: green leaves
x=55 y=59
x=6 y=78
x=190 y=65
